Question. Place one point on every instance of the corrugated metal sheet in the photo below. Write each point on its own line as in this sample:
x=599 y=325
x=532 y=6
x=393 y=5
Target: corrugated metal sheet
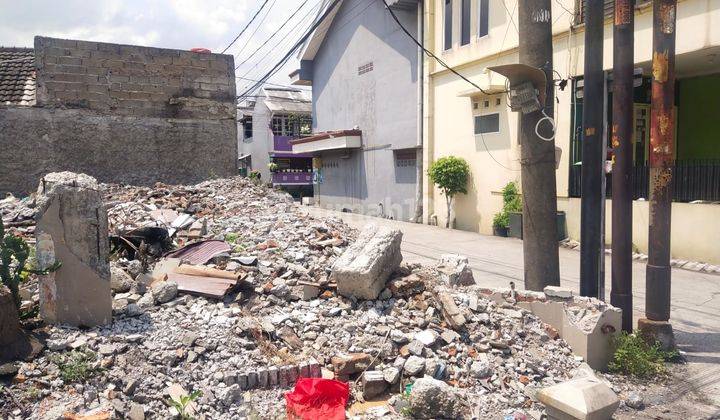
x=200 y=252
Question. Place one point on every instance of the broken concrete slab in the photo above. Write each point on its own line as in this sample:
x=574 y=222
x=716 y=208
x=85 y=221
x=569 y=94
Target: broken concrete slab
x=347 y=364
x=72 y=228
x=364 y=268
x=586 y=324
x=586 y=398
x=454 y=270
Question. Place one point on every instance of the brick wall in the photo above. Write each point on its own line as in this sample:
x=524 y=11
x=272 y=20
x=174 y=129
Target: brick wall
x=123 y=114
x=134 y=80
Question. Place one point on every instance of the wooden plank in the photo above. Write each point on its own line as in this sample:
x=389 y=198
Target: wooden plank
x=213 y=287
x=204 y=271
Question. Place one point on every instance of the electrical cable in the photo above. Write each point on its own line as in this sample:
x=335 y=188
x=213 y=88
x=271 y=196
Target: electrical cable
x=429 y=53
x=246 y=26
x=281 y=42
x=537 y=126
x=442 y=63
x=273 y=35
x=247 y=41
x=297 y=45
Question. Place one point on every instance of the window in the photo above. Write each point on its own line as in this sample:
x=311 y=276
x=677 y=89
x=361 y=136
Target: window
x=465 y=23
x=291 y=125
x=483 y=18
x=448 y=24
x=489 y=123
x=247 y=128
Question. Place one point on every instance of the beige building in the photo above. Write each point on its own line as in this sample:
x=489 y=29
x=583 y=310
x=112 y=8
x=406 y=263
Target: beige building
x=471 y=35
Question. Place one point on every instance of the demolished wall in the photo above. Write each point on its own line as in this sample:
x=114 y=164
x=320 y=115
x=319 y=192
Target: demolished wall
x=122 y=113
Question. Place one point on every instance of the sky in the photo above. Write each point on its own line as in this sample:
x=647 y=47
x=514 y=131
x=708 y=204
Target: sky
x=180 y=24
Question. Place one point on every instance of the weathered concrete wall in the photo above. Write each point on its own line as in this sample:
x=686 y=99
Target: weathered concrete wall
x=123 y=114
x=131 y=150
x=382 y=102
x=133 y=80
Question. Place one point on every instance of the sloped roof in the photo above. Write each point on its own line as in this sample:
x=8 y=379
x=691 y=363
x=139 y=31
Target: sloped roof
x=287 y=100
x=17 y=76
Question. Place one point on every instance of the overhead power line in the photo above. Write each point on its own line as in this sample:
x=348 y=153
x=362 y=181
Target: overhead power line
x=281 y=43
x=272 y=35
x=257 y=28
x=295 y=47
x=246 y=26
x=442 y=63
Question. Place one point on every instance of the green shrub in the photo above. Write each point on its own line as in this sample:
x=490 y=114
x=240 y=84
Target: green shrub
x=512 y=203
x=501 y=220
x=76 y=365
x=183 y=403
x=634 y=356
x=451 y=175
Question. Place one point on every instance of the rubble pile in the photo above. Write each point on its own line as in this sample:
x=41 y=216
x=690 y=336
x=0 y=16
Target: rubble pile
x=466 y=354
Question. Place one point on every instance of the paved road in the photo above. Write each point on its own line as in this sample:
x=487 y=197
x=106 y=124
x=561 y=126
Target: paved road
x=695 y=311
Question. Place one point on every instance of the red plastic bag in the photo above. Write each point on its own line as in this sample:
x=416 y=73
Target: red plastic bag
x=315 y=398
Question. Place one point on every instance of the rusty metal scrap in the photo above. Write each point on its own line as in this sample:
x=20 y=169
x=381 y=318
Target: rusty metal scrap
x=200 y=252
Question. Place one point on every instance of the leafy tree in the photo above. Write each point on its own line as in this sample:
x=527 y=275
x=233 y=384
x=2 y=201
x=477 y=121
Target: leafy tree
x=450 y=174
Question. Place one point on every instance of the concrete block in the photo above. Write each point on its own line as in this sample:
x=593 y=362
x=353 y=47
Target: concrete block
x=558 y=292
x=364 y=268
x=586 y=325
x=72 y=229
x=585 y=398
x=455 y=270
x=374 y=384
x=589 y=331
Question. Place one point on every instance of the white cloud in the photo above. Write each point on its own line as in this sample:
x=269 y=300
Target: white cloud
x=181 y=24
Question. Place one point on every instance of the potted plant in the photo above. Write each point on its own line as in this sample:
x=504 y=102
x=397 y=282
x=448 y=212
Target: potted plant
x=500 y=224
x=273 y=167
x=512 y=205
x=450 y=174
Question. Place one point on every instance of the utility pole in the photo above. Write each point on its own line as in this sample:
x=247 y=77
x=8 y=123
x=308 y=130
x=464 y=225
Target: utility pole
x=592 y=172
x=540 y=242
x=622 y=130
x=662 y=133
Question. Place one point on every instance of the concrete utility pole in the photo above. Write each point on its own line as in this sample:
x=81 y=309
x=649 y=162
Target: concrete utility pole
x=540 y=242
x=592 y=174
x=662 y=134
x=622 y=130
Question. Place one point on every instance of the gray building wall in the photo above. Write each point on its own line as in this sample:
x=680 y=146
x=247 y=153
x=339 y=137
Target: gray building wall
x=381 y=102
x=122 y=113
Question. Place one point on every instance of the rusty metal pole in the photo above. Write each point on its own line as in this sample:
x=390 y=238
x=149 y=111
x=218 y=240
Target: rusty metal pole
x=622 y=130
x=662 y=133
x=592 y=153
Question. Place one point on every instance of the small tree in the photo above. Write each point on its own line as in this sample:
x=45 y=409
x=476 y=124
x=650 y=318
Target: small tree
x=450 y=174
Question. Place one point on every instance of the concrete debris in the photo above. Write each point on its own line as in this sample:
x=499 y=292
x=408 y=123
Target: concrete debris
x=454 y=270
x=287 y=318
x=72 y=229
x=431 y=398
x=583 y=399
x=373 y=383
x=120 y=281
x=364 y=268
